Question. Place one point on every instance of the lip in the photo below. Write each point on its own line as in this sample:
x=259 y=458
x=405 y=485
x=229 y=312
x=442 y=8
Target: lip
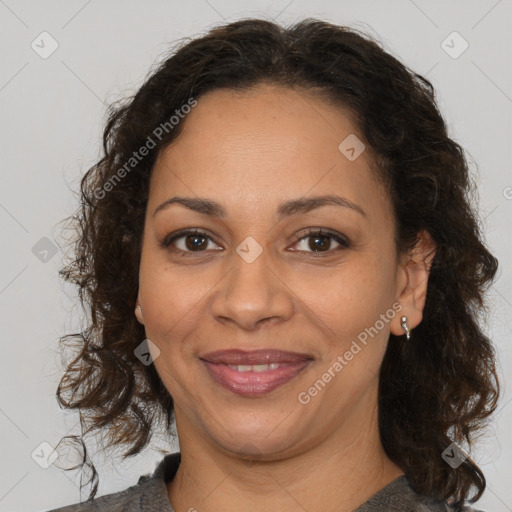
x=254 y=383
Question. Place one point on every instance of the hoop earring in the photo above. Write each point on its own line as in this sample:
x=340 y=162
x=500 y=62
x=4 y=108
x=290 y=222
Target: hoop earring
x=403 y=323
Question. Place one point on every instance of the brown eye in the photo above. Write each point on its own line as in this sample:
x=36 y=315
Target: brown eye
x=193 y=242
x=187 y=241
x=320 y=241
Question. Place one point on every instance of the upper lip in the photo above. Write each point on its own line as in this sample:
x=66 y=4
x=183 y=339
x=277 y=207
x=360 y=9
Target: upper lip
x=261 y=356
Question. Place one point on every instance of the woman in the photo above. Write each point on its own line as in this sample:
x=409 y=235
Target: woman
x=279 y=253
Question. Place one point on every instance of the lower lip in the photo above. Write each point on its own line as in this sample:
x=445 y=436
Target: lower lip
x=254 y=383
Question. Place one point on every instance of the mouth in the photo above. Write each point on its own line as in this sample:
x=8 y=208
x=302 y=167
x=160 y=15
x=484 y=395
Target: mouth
x=254 y=373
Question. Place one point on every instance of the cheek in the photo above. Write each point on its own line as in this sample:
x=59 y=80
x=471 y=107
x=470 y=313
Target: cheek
x=346 y=300
x=171 y=303
x=348 y=312
x=171 y=299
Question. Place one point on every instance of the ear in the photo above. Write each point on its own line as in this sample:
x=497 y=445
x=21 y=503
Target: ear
x=138 y=312
x=412 y=280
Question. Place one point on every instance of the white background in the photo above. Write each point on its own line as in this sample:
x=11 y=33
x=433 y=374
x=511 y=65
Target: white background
x=53 y=111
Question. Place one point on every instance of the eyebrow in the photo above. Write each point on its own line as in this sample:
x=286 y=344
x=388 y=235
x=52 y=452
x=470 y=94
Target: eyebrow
x=286 y=209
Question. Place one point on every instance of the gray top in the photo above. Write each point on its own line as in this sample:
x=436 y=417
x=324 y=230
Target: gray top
x=150 y=495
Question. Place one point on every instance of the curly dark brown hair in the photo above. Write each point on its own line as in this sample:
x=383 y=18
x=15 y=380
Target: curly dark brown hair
x=437 y=390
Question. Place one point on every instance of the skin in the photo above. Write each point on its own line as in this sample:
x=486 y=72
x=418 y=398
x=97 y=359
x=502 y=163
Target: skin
x=250 y=151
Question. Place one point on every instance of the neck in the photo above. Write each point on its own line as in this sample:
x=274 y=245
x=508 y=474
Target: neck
x=339 y=474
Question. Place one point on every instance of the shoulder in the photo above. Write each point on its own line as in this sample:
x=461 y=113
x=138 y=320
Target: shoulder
x=149 y=494
x=398 y=496
x=123 y=501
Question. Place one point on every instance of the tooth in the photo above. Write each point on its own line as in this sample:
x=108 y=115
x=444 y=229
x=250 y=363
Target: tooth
x=260 y=367
x=253 y=367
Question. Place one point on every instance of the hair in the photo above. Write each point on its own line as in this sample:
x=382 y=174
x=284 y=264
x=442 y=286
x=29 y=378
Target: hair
x=436 y=389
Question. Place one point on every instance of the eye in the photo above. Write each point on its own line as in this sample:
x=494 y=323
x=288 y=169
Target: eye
x=193 y=241
x=320 y=240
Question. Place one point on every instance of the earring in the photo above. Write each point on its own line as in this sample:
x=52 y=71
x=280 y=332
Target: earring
x=139 y=307
x=403 y=323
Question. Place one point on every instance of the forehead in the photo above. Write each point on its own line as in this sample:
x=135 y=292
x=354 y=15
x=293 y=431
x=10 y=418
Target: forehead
x=259 y=147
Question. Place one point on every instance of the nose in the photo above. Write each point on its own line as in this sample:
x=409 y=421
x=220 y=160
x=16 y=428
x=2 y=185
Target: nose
x=251 y=294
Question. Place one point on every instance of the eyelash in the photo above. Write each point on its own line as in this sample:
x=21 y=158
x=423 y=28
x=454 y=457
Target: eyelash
x=343 y=241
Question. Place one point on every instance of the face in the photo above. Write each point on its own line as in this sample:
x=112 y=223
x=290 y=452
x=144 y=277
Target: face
x=258 y=275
